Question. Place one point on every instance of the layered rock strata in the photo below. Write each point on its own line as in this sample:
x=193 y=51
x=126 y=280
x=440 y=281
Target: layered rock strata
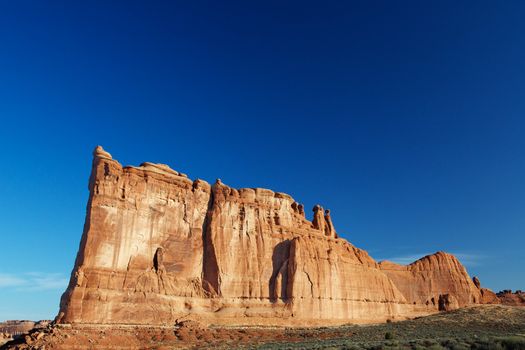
x=158 y=247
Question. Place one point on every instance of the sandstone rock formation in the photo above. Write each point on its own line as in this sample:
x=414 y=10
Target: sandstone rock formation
x=506 y=297
x=430 y=278
x=487 y=296
x=476 y=281
x=12 y=328
x=158 y=247
x=16 y=329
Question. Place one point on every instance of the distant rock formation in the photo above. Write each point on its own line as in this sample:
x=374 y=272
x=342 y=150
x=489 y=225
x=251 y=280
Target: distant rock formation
x=15 y=328
x=158 y=247
x=506 y=297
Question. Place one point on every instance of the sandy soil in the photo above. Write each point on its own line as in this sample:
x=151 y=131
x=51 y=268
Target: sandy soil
x=463 y=326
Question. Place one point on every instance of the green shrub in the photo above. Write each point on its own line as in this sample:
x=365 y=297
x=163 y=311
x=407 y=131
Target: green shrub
x=486 y=345
x=429 y=342
x=512 y=343
x=436 y=347
x=389 y=335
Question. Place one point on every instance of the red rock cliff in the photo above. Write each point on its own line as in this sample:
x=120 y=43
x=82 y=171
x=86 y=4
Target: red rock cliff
x=158 y=247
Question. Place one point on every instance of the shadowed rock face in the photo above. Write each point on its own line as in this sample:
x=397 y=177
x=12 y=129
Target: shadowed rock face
x=158 y=247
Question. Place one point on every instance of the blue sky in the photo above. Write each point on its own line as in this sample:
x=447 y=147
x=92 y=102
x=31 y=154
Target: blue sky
x=406 y=119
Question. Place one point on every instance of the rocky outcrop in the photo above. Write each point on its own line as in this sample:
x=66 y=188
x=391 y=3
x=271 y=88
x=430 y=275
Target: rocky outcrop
x=476 y=281
x=13 y=328
x=507 y=297
x=18 y=330
x=487 y=296
x=432 y=277
x=158 y=247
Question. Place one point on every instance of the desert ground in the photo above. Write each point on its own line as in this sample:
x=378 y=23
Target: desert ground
x=480 y=327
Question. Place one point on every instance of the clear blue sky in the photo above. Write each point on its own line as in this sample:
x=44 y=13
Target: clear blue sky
x=406 y=119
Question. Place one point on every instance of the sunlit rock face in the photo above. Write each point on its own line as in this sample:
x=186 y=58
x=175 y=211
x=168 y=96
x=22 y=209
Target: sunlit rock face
x=158 y=247
x=431 y=277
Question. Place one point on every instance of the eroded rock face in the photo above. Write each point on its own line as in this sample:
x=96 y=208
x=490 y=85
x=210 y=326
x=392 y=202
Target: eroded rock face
x=487 y=296
x=425 y=280
x=158 y=247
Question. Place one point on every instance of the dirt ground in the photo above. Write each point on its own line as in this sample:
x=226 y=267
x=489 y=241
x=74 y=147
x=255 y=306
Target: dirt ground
x=483 y=327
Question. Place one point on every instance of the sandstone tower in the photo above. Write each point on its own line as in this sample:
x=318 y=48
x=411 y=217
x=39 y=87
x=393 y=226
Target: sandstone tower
x=158 y=246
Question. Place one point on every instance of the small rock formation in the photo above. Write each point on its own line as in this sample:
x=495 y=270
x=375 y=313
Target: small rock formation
x=318 y=221
x=158 y=247
x=301 y=210
x=329 y=229
x=506 y=297
x=99 y=152
x=487 y=296
x=14 y=329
